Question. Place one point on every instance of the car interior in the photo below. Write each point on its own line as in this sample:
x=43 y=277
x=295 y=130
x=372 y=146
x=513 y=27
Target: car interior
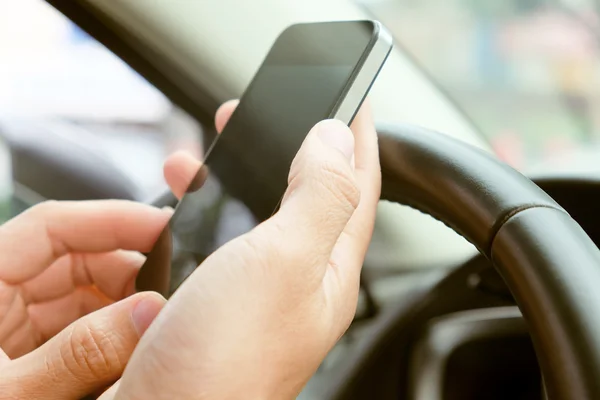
x=481 y=278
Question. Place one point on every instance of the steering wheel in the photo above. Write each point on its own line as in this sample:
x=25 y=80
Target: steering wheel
x=548 y=262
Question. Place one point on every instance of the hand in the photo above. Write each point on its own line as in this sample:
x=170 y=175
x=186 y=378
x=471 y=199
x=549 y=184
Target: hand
x=260 y=314
x=60 y=261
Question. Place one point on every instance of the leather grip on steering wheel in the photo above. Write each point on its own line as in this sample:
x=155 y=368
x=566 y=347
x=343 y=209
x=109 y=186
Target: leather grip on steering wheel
x=549 y=263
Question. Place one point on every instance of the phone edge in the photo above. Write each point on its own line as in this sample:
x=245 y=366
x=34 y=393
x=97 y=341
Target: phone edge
x=359 y=87
x=361 y=84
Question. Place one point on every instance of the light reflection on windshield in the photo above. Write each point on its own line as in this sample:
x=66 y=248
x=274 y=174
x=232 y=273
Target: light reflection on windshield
x=526 y=73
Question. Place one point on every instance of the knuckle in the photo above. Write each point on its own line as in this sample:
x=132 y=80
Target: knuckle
x=340 y=184
x=91 y=354
x=336 y=178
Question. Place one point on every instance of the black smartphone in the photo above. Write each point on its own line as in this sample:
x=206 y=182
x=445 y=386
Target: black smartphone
x=314 y=71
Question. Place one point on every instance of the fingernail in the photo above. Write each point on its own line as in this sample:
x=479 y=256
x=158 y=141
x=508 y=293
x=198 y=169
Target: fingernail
x=145 y=311
x=337 y=135
x=168 y=211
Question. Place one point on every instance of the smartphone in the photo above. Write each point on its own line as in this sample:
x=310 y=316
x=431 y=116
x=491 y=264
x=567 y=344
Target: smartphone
x=313 y=71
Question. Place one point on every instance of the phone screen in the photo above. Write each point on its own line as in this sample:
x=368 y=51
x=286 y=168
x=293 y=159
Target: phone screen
x=244 y=174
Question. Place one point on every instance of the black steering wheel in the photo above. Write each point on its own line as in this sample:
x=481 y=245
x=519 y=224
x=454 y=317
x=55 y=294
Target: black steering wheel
x=549 y=263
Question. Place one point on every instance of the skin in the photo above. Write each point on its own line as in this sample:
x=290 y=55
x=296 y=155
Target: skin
x=254 y=321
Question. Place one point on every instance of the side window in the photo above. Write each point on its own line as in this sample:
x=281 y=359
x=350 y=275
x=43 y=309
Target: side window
x=75 y=121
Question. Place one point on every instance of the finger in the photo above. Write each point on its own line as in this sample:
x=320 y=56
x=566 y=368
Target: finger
x=181 y=167
x=179 y=171
x=65 y=310
x=354 y=241
x=17 y=335
x=87 y=356
x=224 y=113
x=113 y=273
x=35 y=239
x=4 y=358
x=64 y=293
x=322 y=193
x=27 y=327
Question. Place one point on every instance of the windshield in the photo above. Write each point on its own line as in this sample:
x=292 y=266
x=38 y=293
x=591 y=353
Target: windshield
x=526 y=73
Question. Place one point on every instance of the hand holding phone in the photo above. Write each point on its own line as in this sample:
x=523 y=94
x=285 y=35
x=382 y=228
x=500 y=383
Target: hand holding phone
x=313 y=72
x=259 y=315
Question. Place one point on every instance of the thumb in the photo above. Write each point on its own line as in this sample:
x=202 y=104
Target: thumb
x=87 y=356
x=322 y=191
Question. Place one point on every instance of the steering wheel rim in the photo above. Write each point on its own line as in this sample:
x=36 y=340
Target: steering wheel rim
x=548 y=262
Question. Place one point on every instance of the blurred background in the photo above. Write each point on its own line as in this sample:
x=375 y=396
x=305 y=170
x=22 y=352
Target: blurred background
x=526 y=72
x=58 y=85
